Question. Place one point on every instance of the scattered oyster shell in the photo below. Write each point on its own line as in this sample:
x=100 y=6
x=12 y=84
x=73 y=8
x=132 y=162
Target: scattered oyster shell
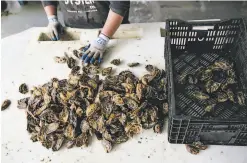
x=58 y=59
x=71 y=62
x=23 y=88
x=5 y=104
x=23 y=103
x=116 y=62
x=195 y=147
x=106 y=71
x=133 y=64
x=200 y=95
x=76 y=53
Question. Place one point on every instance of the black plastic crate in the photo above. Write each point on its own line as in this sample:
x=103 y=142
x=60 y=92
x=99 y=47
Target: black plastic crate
x=189 y=46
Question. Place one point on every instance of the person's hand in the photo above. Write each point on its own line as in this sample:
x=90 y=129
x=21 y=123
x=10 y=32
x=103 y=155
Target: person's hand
x=55 y=29
x=94 y=52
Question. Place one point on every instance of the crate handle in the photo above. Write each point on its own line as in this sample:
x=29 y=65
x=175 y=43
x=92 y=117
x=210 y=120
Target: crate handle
x=200 y=38
x=202 y=27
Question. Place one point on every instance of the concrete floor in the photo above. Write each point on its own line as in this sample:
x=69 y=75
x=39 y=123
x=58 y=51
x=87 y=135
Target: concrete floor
x=33 y=15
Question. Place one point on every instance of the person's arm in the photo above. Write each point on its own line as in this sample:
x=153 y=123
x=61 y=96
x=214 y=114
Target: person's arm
x=94 y=52
x=54 y=27
x=50 y=7
x=112 y=23
x=118 y=9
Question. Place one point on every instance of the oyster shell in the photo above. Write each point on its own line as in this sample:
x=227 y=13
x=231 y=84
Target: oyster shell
x=133 y=64
x=5 y=104
x=23 y=88
x=115 y=62
x=106 y=71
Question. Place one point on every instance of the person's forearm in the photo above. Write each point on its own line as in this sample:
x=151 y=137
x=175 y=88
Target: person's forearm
x=50 y=10
x=112 y=23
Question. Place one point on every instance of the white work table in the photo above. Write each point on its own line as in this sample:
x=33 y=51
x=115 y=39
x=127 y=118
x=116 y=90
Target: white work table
x=25 y=60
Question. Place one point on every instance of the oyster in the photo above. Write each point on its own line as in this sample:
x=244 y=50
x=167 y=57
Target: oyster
x=117 y=99
x=107 y=145
x=75 y=70
x=241 y=98
x=230 y=95
x=147 y=79
x=157 y=128
x=222 y=97
x=51 y=128
x=70 y=144
x=210 y=107
x=132 y=129
x=182 y=78
x=23 y=88
x=129 y=88
x=224 y=65
x=200 y=95
x=91 y=69
x=91 y=109
x=231 y=73
x=5 y=104
x=106 y=71
x=121 y=139
x=191 y=79
x=64 y=115
x=150 y=68
x=132 y=104
x=133 y=96
x=165 y=108
x=195 y=147
x=76 y=53
x=212 y=86
x=140 y=90
x=23 y=103
x=71 y=62
x=58 y=143
x=206 y=75
x=133 y=64
x=115 y=62
x=69 y=132
x=60 y=59
x=85 y=128
x=82 y=140
x=192 y=149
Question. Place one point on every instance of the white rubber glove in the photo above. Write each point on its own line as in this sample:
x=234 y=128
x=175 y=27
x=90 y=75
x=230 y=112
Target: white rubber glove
x=94 y=52
x=54 y=28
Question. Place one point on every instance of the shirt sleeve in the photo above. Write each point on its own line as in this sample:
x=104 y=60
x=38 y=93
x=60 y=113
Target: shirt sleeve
x=120 y=7
x=48 y=3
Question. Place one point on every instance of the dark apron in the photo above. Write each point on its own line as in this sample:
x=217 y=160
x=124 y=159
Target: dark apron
x=86 y=14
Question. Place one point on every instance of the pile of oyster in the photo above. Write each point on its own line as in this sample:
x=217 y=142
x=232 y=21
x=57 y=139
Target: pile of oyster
x=68 y=112
x=213 y=85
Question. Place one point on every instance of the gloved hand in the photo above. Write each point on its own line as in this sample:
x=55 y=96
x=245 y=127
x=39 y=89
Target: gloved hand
x=55 y=29
x=94 y=51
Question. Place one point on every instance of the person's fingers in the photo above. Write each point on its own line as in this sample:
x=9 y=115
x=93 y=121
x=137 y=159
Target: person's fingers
x=52 y=36
x=89 y=57
x=55 y=31
x=85 y=54
x=86 y=48
x=100 y=57
x=95 y=56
